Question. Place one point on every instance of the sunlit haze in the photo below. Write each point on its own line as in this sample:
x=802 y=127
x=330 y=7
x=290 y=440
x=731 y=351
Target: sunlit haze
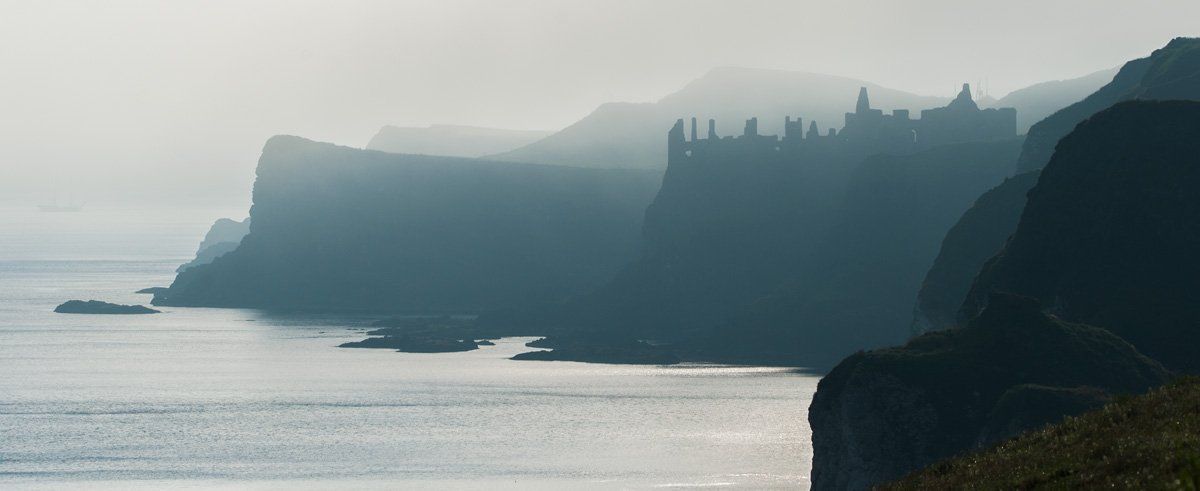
x=171 y=102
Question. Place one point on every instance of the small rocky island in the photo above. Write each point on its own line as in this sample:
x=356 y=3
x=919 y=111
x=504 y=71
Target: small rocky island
x=599 y=350
x=422 y=335
x=98 y=307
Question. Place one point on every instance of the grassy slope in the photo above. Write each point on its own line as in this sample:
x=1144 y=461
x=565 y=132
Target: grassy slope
x=1150 y=441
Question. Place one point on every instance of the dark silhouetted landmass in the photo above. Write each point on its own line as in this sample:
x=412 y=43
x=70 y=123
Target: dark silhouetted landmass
x=627 y=135
x=223 y=237
x=1151 y=441
x=1109 y=237
x=982 y=231
x=1036 y=102
x=337 y=228
x=1172 y=72
x=881 y=414
x=977 y=236
x=451 y=140
x=154 y=290
x=98 y=307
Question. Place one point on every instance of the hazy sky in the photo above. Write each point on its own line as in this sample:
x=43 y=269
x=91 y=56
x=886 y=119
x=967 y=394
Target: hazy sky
x=128 y=100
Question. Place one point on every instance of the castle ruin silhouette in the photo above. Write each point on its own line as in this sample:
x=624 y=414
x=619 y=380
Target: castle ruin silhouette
x=866 y=131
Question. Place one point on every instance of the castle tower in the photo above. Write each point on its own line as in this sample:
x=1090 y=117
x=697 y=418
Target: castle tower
x=864 y=103
x=676 y=146
x=793 y=129
x=812 y=131
x=693 y=129
x=712 y=129
x=751 y=128
x=964 y=99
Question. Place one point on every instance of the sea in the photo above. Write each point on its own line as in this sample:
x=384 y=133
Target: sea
x=201 y=398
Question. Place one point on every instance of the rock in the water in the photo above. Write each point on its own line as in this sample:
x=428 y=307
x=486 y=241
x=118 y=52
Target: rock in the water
x=98 y=307
x=154 y=290
x=415 y=344
x=597 y=350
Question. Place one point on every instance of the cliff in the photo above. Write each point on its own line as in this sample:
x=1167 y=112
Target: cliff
x=1151 y=441
x=977 y=236
x=336 y=228
x=1108 y=236
x=797 y=249
x=881 y=414
x=1171 y=72
x=855 y=289
x=451 y=140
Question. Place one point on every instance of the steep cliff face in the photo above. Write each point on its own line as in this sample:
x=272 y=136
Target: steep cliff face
x=881 y=414
x=1109 y=234
x=1171 y=72
x=853 y=287
x=977 y=236
x=338 y=228
x=717 y=236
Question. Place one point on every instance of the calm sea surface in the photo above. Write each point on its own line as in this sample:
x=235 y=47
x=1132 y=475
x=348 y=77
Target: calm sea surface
x=227 y=398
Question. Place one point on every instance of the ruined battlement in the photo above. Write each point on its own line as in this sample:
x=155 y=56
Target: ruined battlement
x=865 y=131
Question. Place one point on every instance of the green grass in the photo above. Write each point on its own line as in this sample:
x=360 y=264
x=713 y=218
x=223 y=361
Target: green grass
x=1151 y=441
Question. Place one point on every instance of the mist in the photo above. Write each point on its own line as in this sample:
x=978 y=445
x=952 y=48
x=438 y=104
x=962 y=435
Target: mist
x=143 y=102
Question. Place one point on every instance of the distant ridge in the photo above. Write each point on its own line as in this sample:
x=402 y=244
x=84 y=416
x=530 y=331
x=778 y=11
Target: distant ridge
x=1039 y=100
x=451 y=140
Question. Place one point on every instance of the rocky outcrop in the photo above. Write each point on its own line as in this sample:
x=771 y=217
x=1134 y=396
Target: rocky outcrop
x=98 y=307
x=336 y=228
x=977 y=236
x=223 y=237
x=1171 y=72
x=1109 y=234
x=881 y=414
